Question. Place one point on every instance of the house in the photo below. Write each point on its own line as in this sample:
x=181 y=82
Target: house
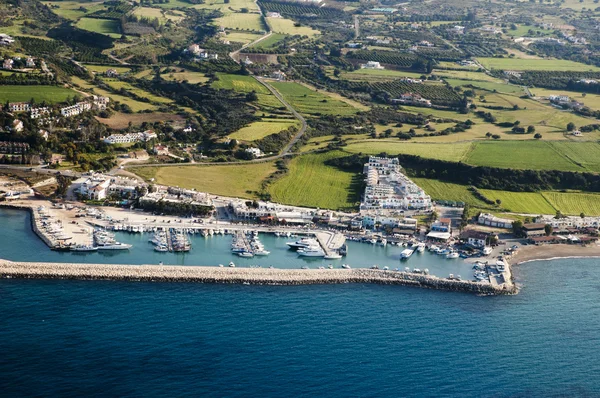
x=588 y=81
x=411 y=80
x=100 y=102
x=17 y=125
x=8 y=64
x=255 y=152
x=19 y=106
x=161 y=150
x=29 y=62
x=411 y=98
x=6 y=40
x=425 y=43
x=372 y=65
x=278 y=75
x=442 y=225
x=274 y=15
x=534 y=229
x=492 y=221
x=195 y=49
x=458 y=29
x=559 y=98
x=513 y=73
x=111 y=73
x=577 y=133
x=353 y=45
x=475 y=238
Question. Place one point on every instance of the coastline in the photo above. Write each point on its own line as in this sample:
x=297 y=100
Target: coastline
x=528 y=254
x=252 y=276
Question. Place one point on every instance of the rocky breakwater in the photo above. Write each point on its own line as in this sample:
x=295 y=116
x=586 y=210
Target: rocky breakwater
x=256 y=276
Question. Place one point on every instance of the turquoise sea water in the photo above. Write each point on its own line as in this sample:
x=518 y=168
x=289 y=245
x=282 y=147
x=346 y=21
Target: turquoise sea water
x=19 y=243
x=101 y=338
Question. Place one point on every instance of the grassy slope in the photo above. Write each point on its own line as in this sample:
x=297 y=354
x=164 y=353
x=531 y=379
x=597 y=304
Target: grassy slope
x=313 y=102
x=258 y=130
x=575 y=203
x=521 y=202
x=50 y=94
x=454 y=152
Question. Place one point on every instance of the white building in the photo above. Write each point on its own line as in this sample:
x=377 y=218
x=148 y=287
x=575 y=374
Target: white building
x=372 y=65
x=389 y=189
x=76 y=109
x=37 y=113
x=6 y=40
x=100 y=102
x=274 y=15
x=8 y=64
x=95 y=187
x=257 y=153
x=492 y=221
x=129 y=138
x=412 y=98
x=17 y=125
x=19 y=106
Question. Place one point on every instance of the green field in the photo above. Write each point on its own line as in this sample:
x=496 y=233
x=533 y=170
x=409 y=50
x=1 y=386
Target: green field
x=312 y=102
x=522 y=30
x=50 y=94
x=227 y=180
x=491 y=86
x=270 y=41
x=242 y=84
x=450 y=152
x=583 y=154
x=535 y=64
x=309 y=182
x=536 y=155
x=575 y=203
x=521 y=202
x=242 y=37
x=72 y=9
x=439 y=190
x=104 y=68
x=162 y=15
x=258 y=130
x=282 y=25
x=241 y=21
x=378 y=75
x=135 y=106
x=191 y=77
x=118 y=85
x=107 y=27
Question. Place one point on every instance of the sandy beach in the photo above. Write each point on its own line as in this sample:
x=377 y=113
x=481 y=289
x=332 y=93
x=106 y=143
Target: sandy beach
x=547 y=252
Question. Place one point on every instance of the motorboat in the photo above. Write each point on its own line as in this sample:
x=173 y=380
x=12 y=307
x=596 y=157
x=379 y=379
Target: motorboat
x=420 y=248
x=161 y=248
x=84 y=248
x=245 y=254
x=114 y=246
x=345 y=266
x=406 y=253
x=452 y=255
x=231 y=264
x=312 y=251
x=302 y=243
x=261 y=252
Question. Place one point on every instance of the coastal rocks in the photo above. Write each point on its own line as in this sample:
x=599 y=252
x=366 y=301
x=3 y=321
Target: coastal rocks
x=255 y=276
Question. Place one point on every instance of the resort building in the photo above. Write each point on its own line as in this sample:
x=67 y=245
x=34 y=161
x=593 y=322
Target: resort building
x=570 y=222
x=6 y=40
x=100 y=102
x=37 y=113
x=19 y=106
x=130 y=137
x=95 y=187
x=13 y=148
x=535 y=229
x=77 y=109
x=389 y=189
x=8 y=64
x=177 y=195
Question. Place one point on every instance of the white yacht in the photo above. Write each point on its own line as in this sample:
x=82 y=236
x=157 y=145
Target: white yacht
x=333 y=256
x=84 y=248
x=231 y=265
x=311 y=251
x=302 y=243
x=114 y=246
x=420 y=247
x=261 y=252
x=161 y=248
x=406 y=253
x=452 y=254
x=246 y=254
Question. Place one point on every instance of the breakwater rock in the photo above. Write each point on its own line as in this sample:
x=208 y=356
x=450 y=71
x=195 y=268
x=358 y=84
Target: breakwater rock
x=256 y=276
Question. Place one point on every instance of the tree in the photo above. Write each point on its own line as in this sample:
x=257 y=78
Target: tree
x=570 y=126
x=530 y=129
x=517 y=227
x=548 y=229
x=582 y=215
x=496 y=136
x=498 y=202
x=488 y=135
x=537 y=136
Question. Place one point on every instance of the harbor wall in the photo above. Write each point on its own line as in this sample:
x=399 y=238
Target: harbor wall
x=254 y=276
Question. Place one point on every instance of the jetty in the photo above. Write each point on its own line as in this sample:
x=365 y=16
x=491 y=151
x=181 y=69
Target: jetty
x=255 y=276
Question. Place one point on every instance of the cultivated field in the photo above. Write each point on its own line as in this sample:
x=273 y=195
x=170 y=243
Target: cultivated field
x=378 y=75
x=227 y=180
x=135 y=106
x=72 y=9
x=282 y=25
x=241 y=21
x=162 y=15
x=104 y=68
x=486 y=85
x=50 y=94
x=454 y=152
x=258 y=130
x=107 y=27
x=575 y=203
x=242 y=37
x=439 y=190
x=190 y=76
x=118 y=85
x=521 y=202
x=535 y=64
x=243 y=84
x=312 y=102
x=310 y=182
x=122 y=120
x=590 y=100
x=270 y=41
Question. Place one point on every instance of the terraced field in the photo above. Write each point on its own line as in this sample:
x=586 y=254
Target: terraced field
x=310 y=182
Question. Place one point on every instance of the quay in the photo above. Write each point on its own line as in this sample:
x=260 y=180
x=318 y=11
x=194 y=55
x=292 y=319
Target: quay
x=253 y=276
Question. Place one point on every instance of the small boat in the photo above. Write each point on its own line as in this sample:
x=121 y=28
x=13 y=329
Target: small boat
x=406 y=253
x=452 y=255
x=246 y=254
x=305 y=267
x=261 y=252
x=231 y=264
x=312 y=251
x=161 y=248
x=420 y=248
x=345 y=266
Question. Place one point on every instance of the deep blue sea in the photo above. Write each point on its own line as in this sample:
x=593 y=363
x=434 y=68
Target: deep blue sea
x=99 y=338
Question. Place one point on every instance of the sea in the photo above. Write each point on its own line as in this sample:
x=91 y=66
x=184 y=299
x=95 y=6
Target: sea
x=113 y=338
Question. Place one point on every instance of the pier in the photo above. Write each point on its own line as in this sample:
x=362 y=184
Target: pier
x=255 y=276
